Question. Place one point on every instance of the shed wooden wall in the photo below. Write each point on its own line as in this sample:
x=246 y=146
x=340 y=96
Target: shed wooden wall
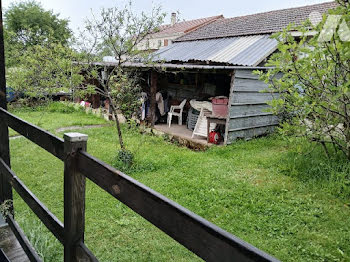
x=247 y=115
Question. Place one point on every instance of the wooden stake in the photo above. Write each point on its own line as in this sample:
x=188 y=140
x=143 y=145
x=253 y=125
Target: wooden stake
x=74 y=197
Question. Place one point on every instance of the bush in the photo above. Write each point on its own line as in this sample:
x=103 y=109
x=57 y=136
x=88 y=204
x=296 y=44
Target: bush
x=124 y=160
x=312 y=78
x=63 y=107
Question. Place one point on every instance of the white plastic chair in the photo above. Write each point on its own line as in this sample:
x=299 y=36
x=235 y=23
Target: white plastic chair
x=173 y=113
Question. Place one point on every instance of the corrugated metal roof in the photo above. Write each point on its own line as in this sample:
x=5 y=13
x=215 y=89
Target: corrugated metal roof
x=245 y=51
x=179 y=67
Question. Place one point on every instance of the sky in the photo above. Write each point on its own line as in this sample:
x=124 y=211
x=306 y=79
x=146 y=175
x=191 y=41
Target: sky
x=78 y=10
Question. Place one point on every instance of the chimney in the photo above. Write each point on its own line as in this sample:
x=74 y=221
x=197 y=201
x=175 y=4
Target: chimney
x=173 y=18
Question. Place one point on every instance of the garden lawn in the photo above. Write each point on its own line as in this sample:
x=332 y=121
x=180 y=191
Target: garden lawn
x=56 y=116
x=264 y=191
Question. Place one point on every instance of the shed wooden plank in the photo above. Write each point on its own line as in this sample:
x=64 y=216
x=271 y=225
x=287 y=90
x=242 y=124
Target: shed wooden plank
x=248 y=109
x=246 y=98
x=247 y=122
x=249 y=133
x=250 y=85
x=246 y=74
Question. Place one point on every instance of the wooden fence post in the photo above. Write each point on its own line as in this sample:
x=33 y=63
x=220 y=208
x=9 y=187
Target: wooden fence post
x=5 y=187
x=74 y=197
x=154 y=80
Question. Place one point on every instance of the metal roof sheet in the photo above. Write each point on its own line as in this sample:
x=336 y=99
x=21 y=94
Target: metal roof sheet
x=245 y=51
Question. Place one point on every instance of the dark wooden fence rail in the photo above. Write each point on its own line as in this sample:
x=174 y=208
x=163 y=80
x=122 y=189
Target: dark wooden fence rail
x=195 y=233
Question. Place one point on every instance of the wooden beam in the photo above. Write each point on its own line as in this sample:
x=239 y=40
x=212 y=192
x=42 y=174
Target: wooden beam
x=233 y=75
x=37 y=135
x=153 y=92
x=43 y=213
x=5 y=187
x=85 y=253
x=74 y=197
x=195 y=233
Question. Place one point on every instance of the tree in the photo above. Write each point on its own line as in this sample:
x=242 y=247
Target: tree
x=117 y=31
x=46 y=70
x=28 y=24
x=315 y=86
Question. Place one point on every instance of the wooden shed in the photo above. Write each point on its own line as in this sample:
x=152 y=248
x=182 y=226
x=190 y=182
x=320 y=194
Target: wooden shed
x=248 y=114
x=218 y=59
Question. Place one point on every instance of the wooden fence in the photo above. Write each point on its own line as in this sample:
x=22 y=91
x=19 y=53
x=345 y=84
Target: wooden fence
x=195 y=233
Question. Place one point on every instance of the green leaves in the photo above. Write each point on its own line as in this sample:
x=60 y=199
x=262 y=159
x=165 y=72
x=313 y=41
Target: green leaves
x=45 y=70
x=126 y=92
x=28 y=24
x=314 y=88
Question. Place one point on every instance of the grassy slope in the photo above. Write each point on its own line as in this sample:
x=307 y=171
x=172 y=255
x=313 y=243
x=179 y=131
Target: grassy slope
x=241 y=188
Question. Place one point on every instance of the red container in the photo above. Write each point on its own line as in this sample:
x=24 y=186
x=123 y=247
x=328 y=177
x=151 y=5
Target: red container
x=220 y=106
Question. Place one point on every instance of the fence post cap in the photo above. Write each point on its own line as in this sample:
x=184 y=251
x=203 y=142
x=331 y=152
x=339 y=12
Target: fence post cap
x=75 y=137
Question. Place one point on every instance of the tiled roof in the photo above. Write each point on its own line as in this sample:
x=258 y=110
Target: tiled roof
x=261 y=23
x=185 y=26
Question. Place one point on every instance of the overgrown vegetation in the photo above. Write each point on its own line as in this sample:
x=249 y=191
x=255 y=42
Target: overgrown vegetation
x=275 y=194
x=314 y=84
x=46 y=70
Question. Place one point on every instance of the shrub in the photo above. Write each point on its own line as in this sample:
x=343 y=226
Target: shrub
x=313 y=84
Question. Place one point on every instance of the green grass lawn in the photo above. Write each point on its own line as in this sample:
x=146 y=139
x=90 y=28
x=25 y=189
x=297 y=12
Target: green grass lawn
x=287 y=200
x=53 y=117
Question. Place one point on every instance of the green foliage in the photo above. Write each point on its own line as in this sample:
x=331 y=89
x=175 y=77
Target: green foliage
x=45 y=70
x=314 y=86
x=63 y=107
x=126 y=92
x=125 y=157
x=6 y=207
x=28 y=24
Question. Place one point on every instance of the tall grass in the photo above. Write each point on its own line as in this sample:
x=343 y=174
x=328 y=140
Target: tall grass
x=44 y=243
x=309 y=163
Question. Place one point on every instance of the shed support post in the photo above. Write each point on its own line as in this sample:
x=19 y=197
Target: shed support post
x=5 y=187
x=227 y=127
x=154 y=80
x=74 y=197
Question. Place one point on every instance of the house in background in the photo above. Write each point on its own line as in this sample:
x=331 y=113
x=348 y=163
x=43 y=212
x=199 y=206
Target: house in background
x=168 y=33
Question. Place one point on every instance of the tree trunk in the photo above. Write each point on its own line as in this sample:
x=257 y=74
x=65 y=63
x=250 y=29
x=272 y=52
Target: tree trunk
x=121 y=142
